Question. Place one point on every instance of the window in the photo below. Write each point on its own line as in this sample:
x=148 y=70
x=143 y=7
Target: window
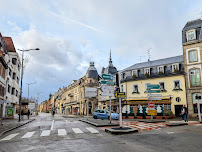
x=162 y=86
x=10 y=72
x=193 y=56
x=122 y=75
x=175 y=67
x=13 y=91
x=195 y=77
x=9 y=88
x=147 y=71
x=176 y=84
x=14 y=61
x=18 y=67
x=178 y=99
x=14 y=75
x=16 y=93
x=146 y=86
x=191 y=35
x=17 y=80
x=134 y=73
x=161 y=69
x=135 y=88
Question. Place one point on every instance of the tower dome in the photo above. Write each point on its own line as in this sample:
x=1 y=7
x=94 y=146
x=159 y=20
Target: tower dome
x=92 y=71
x=110 y=69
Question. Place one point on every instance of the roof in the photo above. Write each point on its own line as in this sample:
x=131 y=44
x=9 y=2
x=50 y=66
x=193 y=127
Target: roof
x=92 y=71
x=193 y=24
x=175 y=59
x=9 y=44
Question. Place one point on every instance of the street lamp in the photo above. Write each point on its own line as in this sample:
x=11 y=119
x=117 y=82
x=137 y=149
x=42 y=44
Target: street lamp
x=22 y=76
x=28 y=87
x=36 y=105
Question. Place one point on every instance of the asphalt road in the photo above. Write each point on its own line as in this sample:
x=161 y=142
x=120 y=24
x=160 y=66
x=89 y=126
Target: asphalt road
x=60 y=134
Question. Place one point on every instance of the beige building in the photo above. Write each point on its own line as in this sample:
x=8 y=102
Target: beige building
x=192 y=52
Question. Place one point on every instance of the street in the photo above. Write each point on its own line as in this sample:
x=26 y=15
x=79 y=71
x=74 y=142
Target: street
x=69 y=134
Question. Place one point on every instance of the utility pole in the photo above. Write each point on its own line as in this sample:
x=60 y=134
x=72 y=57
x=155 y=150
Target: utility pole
x=22 y=78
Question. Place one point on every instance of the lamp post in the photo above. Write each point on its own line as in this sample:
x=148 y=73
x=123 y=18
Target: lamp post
x=36 y=106
x=21 y=78
x=28 y=87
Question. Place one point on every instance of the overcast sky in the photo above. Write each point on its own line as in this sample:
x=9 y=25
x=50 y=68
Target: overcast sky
x=71 y=33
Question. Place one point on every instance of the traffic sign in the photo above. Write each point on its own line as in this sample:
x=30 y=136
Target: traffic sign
x=154 y=98
x=153 y=91
x=107 y=82
x=151 y=104
x=107 y=77
x=120 y=95
x=154 y=95
x=152 y=112
x=107 y=94
x=106 y=88
x=153 y=86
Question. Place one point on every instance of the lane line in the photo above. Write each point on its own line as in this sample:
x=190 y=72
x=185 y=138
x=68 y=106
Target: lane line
x=77 y=130
x=52 y=125
x=92 y=130
x=45 y=133
x=62 y=132
x=28 y=134
x=9 y=137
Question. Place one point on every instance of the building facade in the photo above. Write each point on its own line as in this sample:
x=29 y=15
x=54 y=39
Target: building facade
x=3 y=67
x=168 y=73
x=192 y=53
x=12 y=75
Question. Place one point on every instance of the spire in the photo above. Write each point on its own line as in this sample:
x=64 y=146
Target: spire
x=110 y=58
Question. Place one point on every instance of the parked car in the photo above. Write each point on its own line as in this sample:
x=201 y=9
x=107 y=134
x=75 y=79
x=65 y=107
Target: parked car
x=104 y=114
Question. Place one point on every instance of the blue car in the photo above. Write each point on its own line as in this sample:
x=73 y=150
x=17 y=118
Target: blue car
x=104 y=114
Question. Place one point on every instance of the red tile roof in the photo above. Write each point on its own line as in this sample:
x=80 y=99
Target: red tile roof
x=9 y=44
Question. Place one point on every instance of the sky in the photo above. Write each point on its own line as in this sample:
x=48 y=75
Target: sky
x=72 y=33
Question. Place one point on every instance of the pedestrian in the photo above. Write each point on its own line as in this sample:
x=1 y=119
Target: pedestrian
x=28 y=113
x=53 y=112
x=22 y=113
x=184 y=112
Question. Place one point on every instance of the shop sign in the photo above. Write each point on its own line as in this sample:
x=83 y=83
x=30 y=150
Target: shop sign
x=9 y=112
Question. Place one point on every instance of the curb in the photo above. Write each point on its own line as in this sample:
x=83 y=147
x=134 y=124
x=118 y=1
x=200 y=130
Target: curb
x=8 y=130
x=176 y=124
x=98 y=125
x=118 y=132
x=151 y=121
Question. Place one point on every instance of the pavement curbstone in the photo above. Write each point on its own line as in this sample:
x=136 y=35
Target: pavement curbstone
x=119 y=131
x=176 y=124
x=98 y=125
x=8 y=130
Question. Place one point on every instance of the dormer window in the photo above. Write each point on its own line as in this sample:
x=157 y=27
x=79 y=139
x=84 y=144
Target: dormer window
x=147 y=71
x=191 y=35
x=175 y=68
x=160 y=69
x=134 y=73
x=122 y=75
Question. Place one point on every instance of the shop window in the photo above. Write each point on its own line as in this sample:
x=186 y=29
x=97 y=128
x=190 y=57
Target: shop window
x=196 y=108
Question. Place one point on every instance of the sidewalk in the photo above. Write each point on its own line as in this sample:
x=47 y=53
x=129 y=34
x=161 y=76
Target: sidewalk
x=11 y=124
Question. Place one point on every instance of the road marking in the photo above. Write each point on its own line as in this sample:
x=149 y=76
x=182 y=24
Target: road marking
x=45 y=133
x=77 y=130
x=52 y=125
x=92 y=130
x=28 y=134
x=198 y=125
x=170 y=132
x=62 y=132
x=9 y=137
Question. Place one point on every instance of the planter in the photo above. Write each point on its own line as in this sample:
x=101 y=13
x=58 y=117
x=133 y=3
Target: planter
x=148 y=117
x=139 y=117
x=123 y=117
x=130 y=117
x=168 y=117
x=159 y=117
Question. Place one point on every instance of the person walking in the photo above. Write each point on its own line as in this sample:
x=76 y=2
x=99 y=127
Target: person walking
x=184 y=112
x=22 y=113
x=28 y=113
x=53 y=112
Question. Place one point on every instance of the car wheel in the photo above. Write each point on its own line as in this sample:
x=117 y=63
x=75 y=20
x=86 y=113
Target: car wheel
x=95 y=117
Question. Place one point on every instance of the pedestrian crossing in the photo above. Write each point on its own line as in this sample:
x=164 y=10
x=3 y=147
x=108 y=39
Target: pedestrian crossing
x=46 y=133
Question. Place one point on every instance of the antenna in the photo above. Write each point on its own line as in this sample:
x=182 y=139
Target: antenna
x=148 y=52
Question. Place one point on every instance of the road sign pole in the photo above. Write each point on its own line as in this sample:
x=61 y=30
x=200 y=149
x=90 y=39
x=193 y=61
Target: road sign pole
x=110 y=108
x=199 y=113
x=120 y=114
x=87 y=108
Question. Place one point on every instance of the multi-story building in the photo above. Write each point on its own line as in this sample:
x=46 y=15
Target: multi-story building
x=192 y=53
x=168 y=73
x=3 y=67
x=12 y=74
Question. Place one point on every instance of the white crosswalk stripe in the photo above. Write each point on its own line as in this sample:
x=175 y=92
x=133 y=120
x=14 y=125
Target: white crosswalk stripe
x=9 y=137
x=62 y=132
x=45 y=133
x=28 y=134
x=77 y=130
x=92 y=130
